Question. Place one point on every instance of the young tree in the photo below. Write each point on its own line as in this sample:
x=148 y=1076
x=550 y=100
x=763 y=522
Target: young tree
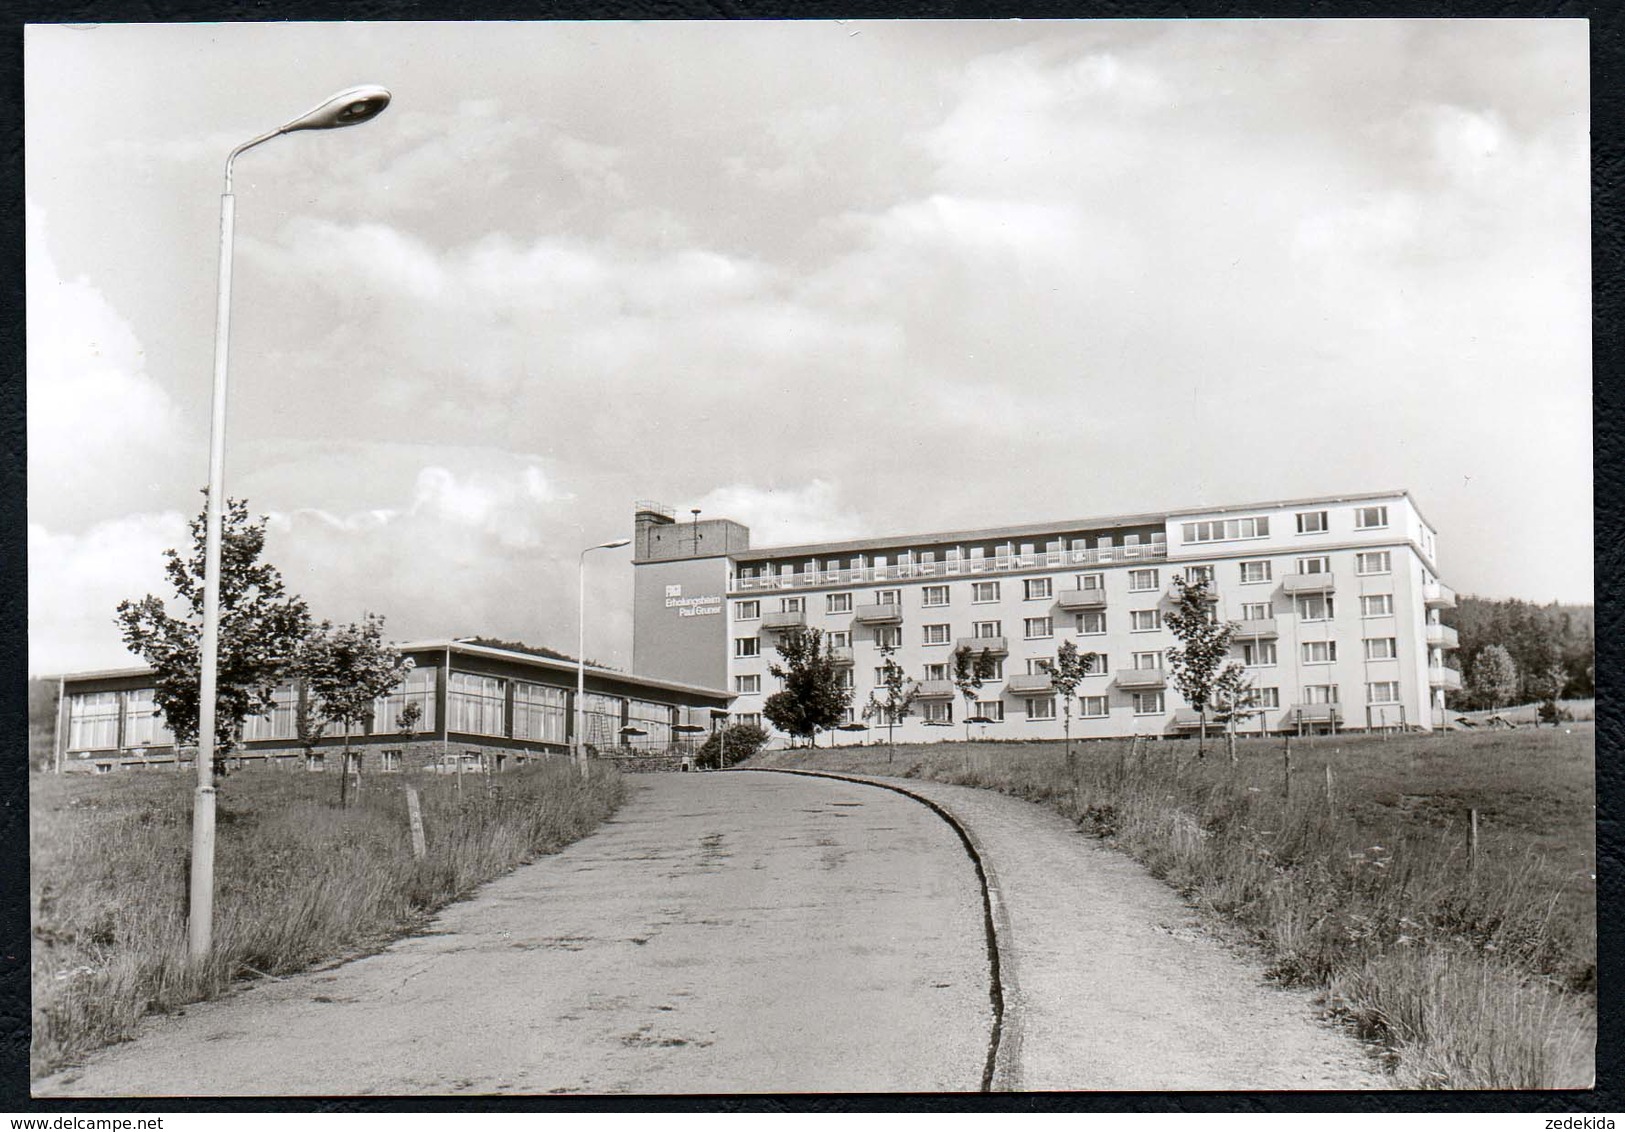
x=1235 y=701
x=1204 y=646
x=814 y=697
x=971 y=670
x=345 y=670
x=1493 y=679
x=1066 y=672
x=261 y=626
x=1547 y=687
x=898 y=703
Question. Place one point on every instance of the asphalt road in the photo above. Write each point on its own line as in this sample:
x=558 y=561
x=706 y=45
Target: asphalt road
x=723 y=933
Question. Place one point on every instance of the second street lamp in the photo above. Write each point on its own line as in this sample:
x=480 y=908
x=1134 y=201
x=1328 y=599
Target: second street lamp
x=581 y=650
x=347 y=108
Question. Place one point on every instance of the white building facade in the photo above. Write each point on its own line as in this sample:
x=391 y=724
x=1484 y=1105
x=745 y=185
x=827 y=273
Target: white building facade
x=1336 y=604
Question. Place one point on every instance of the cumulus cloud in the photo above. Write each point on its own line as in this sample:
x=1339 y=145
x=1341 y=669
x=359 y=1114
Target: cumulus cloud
x=812 y=512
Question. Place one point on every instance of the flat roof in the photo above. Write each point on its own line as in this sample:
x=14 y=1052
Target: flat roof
x=464 y=647
x=1019 y=530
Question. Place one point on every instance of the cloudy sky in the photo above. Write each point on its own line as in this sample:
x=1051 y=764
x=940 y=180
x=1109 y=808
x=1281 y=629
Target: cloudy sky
x=828 y=279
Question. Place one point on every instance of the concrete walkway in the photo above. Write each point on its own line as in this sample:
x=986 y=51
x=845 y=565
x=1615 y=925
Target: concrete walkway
x=1111 y=983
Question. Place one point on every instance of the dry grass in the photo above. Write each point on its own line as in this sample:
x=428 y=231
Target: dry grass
x=1472 y=975
x=298 y=881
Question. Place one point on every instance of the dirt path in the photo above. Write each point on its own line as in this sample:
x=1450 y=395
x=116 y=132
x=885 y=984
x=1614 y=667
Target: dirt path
x=1112 y=984
x=725 y=933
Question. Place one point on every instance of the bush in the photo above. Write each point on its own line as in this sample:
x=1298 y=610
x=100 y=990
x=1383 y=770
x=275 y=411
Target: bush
x=740 y=741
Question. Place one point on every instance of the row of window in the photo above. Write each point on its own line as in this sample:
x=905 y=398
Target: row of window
x=1008 y=552
x=1258 y=526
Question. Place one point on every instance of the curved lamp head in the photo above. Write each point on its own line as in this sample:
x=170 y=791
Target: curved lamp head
x=346 y=108
x=612 y=545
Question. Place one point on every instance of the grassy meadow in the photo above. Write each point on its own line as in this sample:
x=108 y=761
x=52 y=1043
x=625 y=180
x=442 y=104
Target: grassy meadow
x=1470 y=971
x=297 y=879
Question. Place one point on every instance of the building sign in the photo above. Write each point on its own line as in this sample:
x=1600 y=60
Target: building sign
x=703 y=605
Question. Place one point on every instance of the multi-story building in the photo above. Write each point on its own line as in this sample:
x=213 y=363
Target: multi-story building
x=1336 y=603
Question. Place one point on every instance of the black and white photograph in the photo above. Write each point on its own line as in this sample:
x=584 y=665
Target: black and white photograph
x=832 y=556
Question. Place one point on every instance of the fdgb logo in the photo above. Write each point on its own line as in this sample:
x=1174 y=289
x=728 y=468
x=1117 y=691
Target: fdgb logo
x=674 y=591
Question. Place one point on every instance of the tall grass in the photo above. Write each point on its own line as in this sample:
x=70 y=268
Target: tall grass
x=1472 y=972
x=298 y=880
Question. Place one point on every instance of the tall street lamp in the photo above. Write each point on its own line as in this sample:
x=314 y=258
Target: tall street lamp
x=581 y=650
x=347 y=108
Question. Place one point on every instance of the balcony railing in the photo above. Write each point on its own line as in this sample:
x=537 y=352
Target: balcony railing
x=1309 y=584
x=1447 y=678
x=998 y=646
x=1443 y=636
x=1317 y=713
x=779 y=622
x=1137 y=678
x=841 y=654
x=1188 y=719
x=1437 y=595
x=888 y=614
x=960 y=567
x=1029 y=684
x=1253 y=630
x=934 y=690
x=1081 y=599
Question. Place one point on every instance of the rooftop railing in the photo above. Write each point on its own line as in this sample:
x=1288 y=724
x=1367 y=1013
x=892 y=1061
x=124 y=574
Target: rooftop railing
x=951 y=568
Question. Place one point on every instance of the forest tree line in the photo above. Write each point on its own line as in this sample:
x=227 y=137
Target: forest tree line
x=1547 y=648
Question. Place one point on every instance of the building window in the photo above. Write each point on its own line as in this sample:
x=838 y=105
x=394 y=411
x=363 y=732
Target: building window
x=1319 y=652
x=143 y=721
x=1373 y=562
x=1381 y=648
x=889 y=636
x=1256 y=571
x=389 y=761
x=748 y=685
x=1377 y=605
x=653 y=719
x=1198 y=575
x=1094 y=663
x=316 y=762
x=1382 y=692
x=932 y=596
x=1040 y=707
x=1144 y=620
x=840 y=639
x=1091 y=581
x=539 y=712
x=1320 y=564
x=792 y=605
x=1092 y=622
x=838 y=603
x=1095 y=707
x=996 y=671
x=477 y=704
x=418 y=688
x=601 y=720
x=1257 y=611
x=1039 y=665
x=1258 y=654
x=845 y=680
x=747 y=610
x=1222 y=530
x=987 y=630
x=1148 y=703
x=747 y=718
x=1037 y=589
x=1320 y=693
x=935 y=634
x=281 y=721
x=1140 y=581
x=92 y=721
x=1366 y=518
x=1315 y=607
x=991 y=710
x=936 y=671
x=1144 y=661
x=747 y=647
x=1039 y=628
x=888 y=597
x=1269 y=697
x=938 y=711
x=880 y=676
x=1311 y=522
x=983 y=592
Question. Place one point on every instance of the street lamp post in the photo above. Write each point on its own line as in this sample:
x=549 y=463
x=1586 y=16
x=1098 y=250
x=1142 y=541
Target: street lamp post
x=581 y=649
x=347 y=108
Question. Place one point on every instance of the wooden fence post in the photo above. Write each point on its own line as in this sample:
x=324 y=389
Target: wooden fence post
x=1472 y=838
x=1328 y=785
x=1286 y=766
x=414 y=814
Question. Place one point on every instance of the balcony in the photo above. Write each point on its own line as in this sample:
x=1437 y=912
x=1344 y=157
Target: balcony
x=1138 y=679
x=1441 y=677
x=877 y=614
x=1255 y=630
x=1030 y=684
x=1189 y=719
x=1443 y=637
x=998 y=646
x=934 y=690
x=841 y=654
x=1071 y=600
x=1309 y=584
x=781 y=622
x=866 y=575
x=1317 y=713
x=1437 y=595
x=1211 y=595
